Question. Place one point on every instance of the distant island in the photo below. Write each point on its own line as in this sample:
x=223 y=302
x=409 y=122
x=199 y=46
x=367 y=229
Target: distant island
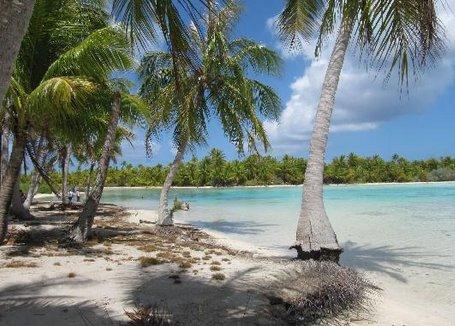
x=215 y=170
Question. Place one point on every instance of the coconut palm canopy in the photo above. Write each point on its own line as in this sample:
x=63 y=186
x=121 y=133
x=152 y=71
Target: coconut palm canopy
x=401 y=35
x=185 y=96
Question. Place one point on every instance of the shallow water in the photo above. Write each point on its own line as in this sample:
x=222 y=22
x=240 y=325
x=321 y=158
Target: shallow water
x=402 y=232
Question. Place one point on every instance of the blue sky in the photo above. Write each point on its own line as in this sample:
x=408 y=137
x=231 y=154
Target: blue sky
x=369 y=117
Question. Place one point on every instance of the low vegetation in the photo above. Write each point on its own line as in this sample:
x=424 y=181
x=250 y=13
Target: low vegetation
x=149 y=261
x=218 y=276
x=20 y=264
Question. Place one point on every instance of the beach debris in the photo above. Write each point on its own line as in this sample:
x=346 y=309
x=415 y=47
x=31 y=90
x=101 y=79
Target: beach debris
x=149 y=315
x=311 y=291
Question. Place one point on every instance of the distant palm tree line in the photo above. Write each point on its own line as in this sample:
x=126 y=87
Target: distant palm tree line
x=215 y=170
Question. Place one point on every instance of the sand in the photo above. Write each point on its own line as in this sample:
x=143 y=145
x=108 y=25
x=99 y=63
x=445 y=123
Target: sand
x=108 y=280
x=96 y=286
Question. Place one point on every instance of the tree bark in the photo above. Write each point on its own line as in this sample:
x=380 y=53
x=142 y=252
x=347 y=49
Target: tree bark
x=33 y=189
x=164 y=213
x=14 y=18
x=89 y=180
x=82 y=228
x=315 y=237
x=36 y=177
x=17 y=208
x=65 y=163
x=4 y=147
x=10 y=179
x=42 y=171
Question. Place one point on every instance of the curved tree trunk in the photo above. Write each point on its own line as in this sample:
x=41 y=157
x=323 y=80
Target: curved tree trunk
x=64 y=164
x=10 y=179
x=164 y=213
x=14 y=18
x=36 y=177
x=33 y=189
x=43 y=172
x=17 y=208
x=4 y=147
x=89 y=180
x=81 y=229
x=315 y=238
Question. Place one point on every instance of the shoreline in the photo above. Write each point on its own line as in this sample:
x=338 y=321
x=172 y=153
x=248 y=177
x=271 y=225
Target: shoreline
x=107 y=264
x=290 y=186
x=373 y=184
x=391 y=305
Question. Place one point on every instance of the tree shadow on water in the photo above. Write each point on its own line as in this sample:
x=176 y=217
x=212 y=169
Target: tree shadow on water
x=389 y=260
x=240 y=227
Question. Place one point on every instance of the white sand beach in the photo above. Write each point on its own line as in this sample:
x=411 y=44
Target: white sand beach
x=108 y=280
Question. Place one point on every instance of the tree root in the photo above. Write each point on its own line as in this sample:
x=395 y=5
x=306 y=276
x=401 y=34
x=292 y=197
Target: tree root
x=324 y=254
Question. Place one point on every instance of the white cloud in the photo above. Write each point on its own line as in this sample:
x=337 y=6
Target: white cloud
x=363 y=101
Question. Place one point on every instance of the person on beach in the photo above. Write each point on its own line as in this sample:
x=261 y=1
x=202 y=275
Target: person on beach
x=70 y=196
x=78 y=195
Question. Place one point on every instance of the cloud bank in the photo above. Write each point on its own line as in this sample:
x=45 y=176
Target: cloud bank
x=363 y=101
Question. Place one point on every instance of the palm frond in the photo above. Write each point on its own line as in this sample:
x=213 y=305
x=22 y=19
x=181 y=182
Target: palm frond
x=101 y=53
x=299 y=21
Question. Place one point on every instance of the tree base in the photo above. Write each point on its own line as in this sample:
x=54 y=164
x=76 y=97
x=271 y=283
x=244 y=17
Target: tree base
x=166 y=220
x=324 y=254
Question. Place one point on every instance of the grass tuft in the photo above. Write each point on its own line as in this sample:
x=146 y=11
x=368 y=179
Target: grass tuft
x=20 y=263
x=218 y=276
x=185 y=265
x=71 y=275
x=215 y=268
x=149 y=261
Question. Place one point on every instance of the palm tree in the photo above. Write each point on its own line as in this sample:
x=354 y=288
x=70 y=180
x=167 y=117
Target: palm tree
x=404 y=34
x=127 y=108
x=68 y=92
x=182 y=96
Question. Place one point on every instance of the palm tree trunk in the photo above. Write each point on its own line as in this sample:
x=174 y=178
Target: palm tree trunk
x=14 y=19
x=10 y=179
x=36 y=177
x=17 y=208
x=89 y=180
x=164 y=213
x=81 y=229
x=4 y=147
x=315 y=237
x=65 y=162
x=43 y=172
x=33 y=189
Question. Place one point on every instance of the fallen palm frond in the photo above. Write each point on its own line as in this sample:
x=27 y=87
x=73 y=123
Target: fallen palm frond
x=149 y=316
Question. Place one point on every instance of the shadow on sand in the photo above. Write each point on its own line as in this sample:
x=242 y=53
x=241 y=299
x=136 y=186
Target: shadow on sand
x=192 y=301
x=30 y=304
x=388 y=259
x=240 y=227
x=198 y=301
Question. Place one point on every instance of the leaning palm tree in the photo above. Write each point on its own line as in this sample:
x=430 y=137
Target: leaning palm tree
x=403 y=34
x=125 y=108
x=183 y=95
x=69 y=87
x=14 y=19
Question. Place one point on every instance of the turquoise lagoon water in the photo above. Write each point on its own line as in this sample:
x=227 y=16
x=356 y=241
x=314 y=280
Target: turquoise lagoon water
x=403 y=232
